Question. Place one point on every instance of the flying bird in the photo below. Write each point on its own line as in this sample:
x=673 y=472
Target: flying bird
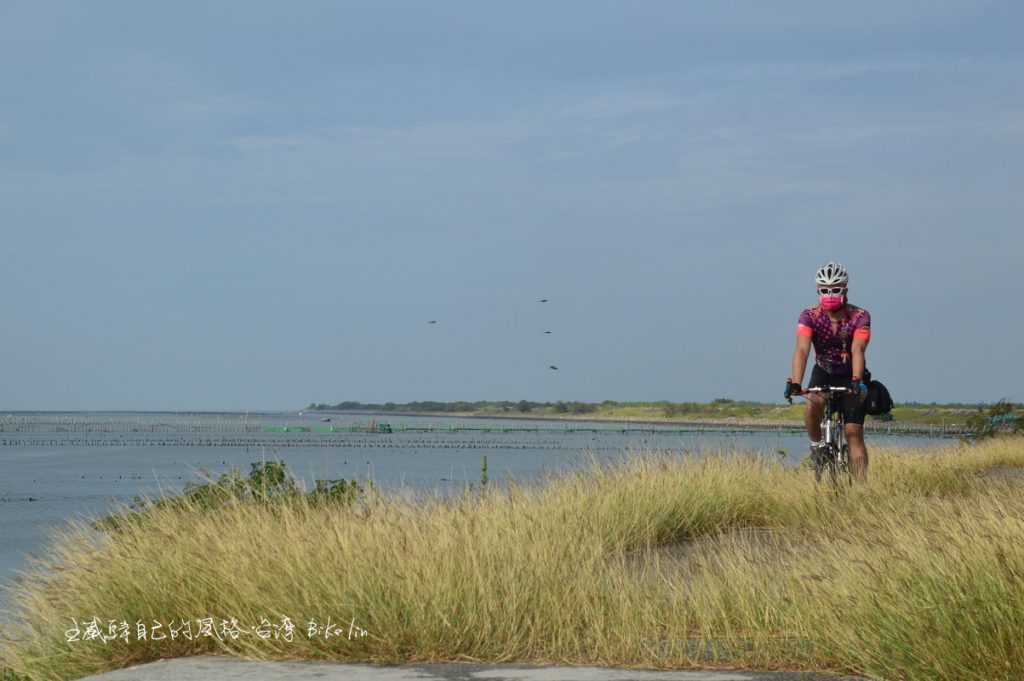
x=547 y=332
x=552 y=366
x=432 y=321
x=543 y=300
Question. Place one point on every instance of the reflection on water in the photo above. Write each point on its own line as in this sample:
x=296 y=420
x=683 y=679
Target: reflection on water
x=58 y=466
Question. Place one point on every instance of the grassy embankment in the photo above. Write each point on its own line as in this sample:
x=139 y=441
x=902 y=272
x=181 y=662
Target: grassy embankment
x=657 y=561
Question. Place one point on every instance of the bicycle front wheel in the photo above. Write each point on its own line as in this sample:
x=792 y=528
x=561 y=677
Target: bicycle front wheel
x=832 y=471
x=844 y=466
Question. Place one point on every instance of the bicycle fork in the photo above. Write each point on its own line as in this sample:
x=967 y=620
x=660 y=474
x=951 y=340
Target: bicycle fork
x=828 y=430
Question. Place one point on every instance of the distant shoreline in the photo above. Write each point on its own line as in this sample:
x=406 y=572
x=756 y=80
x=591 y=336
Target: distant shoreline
x=711 y=424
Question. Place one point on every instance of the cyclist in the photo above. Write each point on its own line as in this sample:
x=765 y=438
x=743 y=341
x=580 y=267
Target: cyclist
x=839 y=333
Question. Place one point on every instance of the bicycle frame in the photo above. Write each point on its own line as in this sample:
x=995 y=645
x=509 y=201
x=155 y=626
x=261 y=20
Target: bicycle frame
x=836 y=462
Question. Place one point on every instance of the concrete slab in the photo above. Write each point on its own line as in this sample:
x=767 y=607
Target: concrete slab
x=219 y=668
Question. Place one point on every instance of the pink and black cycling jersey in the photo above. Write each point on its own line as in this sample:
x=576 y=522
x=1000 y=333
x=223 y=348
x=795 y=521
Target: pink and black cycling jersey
x=832 y=348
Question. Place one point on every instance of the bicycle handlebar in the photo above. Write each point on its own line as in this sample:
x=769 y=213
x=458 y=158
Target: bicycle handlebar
x=822 y=389
x=827 y=389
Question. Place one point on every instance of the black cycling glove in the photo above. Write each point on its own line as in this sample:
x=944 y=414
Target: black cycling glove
x=791 y=388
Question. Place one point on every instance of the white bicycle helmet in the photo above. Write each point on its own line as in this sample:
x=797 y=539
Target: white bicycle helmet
x=831 y=274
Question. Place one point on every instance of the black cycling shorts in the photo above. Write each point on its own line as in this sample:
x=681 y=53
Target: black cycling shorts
x=854 y=408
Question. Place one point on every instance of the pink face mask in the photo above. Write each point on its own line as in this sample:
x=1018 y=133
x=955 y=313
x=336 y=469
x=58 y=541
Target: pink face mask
x=831 y=303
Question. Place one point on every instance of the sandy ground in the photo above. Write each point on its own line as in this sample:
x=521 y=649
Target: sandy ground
x=209 y=668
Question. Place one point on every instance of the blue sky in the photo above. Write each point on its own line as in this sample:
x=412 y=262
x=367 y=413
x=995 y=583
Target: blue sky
x=251 y=205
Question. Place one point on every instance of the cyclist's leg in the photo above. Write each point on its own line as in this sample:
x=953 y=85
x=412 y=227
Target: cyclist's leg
x=813 y=414
x=854 y=410
x=858 y=450
x=815 y=404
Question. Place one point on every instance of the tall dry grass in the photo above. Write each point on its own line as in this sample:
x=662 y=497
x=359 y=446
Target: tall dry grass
x=656 y=561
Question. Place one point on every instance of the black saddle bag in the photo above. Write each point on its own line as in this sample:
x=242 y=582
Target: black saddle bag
x=878 y=401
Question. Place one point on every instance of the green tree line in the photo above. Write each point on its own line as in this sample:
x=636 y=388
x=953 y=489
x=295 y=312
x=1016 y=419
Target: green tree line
x=522 y=406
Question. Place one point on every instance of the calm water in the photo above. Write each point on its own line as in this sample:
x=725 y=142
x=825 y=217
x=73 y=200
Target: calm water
x=58 y=466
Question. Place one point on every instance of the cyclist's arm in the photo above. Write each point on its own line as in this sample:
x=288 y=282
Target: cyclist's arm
x=860 y=345
x=803 y=349
x=861 y=338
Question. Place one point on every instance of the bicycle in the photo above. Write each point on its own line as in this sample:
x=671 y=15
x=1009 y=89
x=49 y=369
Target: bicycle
x=833 y=459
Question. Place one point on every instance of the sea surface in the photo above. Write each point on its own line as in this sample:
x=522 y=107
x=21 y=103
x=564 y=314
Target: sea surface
x=57 y=466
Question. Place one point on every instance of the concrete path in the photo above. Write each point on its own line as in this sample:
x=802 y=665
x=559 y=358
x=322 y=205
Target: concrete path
x=217 y=668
